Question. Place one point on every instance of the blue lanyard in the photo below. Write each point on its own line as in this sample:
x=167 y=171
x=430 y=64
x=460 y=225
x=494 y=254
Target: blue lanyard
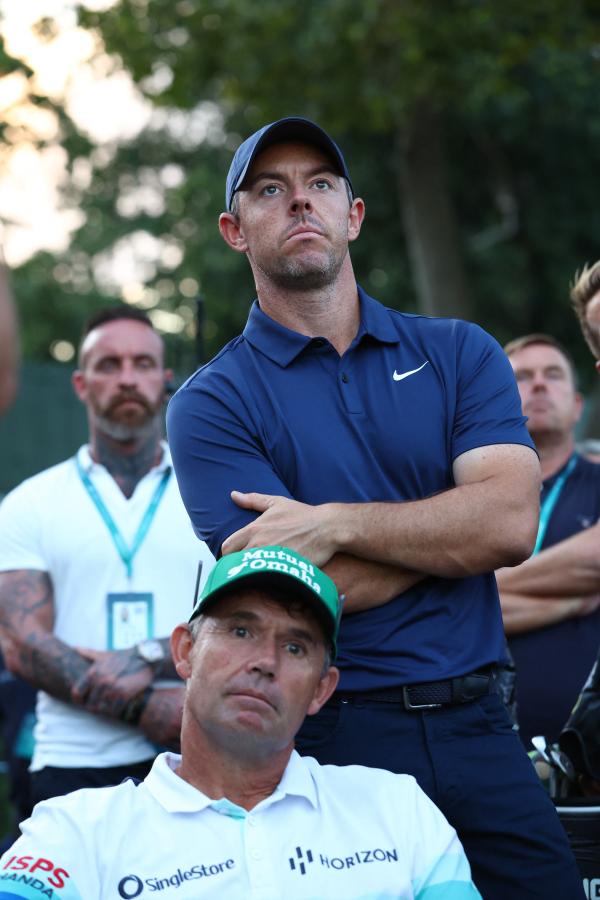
x=549 y=503
x=126 y=553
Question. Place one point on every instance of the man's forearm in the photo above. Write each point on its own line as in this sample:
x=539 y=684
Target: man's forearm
x=521 y=613
x=488 y=520
x=46 y=662
x=367 y=584
x=569 y=568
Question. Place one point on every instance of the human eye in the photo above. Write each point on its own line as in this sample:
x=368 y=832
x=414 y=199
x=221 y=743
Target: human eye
x=145 y=362
x=295 y=649
x=107 y=365
x=322 y=184
x=240 y=631
x=270 y=190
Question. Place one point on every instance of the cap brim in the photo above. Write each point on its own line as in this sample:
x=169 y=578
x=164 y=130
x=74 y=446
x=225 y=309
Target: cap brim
x=295 y=129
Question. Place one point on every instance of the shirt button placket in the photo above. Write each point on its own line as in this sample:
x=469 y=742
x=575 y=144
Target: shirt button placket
x=260 y=874
x=348 y=388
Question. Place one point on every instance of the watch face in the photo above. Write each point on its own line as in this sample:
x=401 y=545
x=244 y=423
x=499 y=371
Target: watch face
x=151 y=651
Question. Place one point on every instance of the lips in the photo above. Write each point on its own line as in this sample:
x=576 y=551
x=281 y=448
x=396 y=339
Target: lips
x=252 y=695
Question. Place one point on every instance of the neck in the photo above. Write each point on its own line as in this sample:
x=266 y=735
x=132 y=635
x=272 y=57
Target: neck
x=244 y=782
x=332 y=312
x=554 y=453
x=127 y=461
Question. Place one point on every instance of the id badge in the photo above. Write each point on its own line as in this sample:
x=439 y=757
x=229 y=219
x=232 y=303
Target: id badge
x=130 y=619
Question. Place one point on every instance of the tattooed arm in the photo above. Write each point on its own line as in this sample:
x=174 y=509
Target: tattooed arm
x=116 y=677
x=30 y=649
x=35 y=654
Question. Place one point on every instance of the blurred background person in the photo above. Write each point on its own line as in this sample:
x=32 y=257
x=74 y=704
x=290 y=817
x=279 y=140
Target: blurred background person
x=551 y=602
x=98 y=553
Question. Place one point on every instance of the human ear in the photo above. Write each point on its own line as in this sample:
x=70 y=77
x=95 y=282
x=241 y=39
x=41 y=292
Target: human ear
x=355 y=218
x=231 y=232
x=79 y=384
x=181 y=648
x=324 y=690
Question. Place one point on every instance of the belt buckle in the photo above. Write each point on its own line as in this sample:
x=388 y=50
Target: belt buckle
x=410 y=706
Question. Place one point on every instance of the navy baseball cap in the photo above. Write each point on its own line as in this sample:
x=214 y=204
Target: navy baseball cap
x=292 y=128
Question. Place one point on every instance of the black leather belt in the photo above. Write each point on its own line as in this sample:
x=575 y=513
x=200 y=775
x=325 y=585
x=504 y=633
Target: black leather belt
x=431 y=694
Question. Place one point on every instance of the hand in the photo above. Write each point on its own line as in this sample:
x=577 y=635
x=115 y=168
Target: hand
x=161 y=720
x=306 y=529
x=114 y=677
x=587 y=605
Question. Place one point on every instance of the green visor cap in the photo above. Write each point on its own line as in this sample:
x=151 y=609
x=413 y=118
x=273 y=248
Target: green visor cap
x=281 y=569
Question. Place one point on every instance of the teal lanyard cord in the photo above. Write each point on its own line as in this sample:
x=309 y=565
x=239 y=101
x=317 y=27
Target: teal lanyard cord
x=126 y=553
x=549 y=503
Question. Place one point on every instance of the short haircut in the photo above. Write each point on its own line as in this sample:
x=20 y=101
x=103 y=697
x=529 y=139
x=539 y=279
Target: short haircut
x=539 y=337
x=118 y=313
x=586 y=285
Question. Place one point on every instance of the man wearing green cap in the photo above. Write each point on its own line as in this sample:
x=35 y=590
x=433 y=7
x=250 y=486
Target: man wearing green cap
x=240 y=814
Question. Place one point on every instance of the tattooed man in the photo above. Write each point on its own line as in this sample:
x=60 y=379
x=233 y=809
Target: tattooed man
x=98 y=562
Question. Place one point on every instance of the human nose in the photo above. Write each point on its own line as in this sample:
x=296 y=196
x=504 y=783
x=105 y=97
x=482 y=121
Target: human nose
x=127 y=374
x=265 y=659
x=300 y=201
x=538 y=382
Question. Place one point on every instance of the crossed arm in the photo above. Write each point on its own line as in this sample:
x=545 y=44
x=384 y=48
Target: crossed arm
x=558 y=583
x=113 y=683
x=487 y=520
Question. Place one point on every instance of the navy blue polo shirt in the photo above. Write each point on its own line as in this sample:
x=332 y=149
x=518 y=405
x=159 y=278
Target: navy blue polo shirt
x=281 y=413
x=553 y=662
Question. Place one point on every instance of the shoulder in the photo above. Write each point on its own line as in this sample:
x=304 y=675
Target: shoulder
x=228 y=359
x=588 y=469
x=350 y=781
x=85 y=807
x=444 y=338
x=39 y=485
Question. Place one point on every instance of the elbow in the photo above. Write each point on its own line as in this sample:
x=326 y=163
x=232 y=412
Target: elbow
x=515 y=545
x=11 y=654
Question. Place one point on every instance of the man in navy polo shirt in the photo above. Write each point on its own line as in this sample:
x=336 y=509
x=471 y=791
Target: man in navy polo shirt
x=391 y=450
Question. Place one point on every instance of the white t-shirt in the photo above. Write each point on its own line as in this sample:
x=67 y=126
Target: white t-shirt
x=325 y=832
x=50 y=523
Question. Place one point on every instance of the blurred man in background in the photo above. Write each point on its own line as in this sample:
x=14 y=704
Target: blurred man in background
x=550 y=603
x=98 y=563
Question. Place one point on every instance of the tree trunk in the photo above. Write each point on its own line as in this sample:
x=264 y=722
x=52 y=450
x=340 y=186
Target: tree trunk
x=430 y=220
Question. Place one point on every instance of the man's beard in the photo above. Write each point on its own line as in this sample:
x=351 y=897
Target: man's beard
x=123 y=431
x=300 y=275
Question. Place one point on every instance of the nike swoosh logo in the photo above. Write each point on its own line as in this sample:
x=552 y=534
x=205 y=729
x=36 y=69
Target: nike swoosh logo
x=397 y=377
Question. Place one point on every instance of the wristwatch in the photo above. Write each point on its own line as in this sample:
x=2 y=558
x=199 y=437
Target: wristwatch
x=151 y=651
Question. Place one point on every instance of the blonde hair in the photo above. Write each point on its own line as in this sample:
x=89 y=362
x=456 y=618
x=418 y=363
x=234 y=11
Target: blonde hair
x=586 y=285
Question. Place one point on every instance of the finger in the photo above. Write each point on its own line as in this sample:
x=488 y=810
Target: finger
x=235 y=541
x=255 y=501
x=80 y=689
x=92 y=655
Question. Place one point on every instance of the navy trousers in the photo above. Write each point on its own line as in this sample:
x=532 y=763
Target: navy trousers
x=471 y=763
